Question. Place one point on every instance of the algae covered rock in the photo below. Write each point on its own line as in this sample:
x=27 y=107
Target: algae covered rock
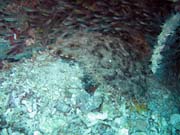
x=175 y=121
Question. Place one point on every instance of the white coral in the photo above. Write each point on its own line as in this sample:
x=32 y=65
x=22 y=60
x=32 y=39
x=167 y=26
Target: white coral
x=168 y=29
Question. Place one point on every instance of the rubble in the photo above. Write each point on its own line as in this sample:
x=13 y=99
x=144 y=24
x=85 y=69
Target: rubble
x=46 y=95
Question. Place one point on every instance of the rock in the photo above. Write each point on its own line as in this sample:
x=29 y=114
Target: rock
x=51 y=125
x=17 y=133
x=37 y=133
x=3 y=122
x=62 y=107
x=88 y=103
x=120 y=121
x=141 y=125
x=138 y=125
x=4 y=131
x=94 y=118
x=139 y=133
x=123 y=131
x=175 y=121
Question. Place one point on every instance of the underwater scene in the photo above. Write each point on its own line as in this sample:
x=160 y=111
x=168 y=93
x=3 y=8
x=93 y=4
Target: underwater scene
x=89 y=67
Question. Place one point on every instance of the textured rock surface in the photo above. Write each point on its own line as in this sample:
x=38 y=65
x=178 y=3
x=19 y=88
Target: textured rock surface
x=108 y=60
x=175 y=121
x=47 y=94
